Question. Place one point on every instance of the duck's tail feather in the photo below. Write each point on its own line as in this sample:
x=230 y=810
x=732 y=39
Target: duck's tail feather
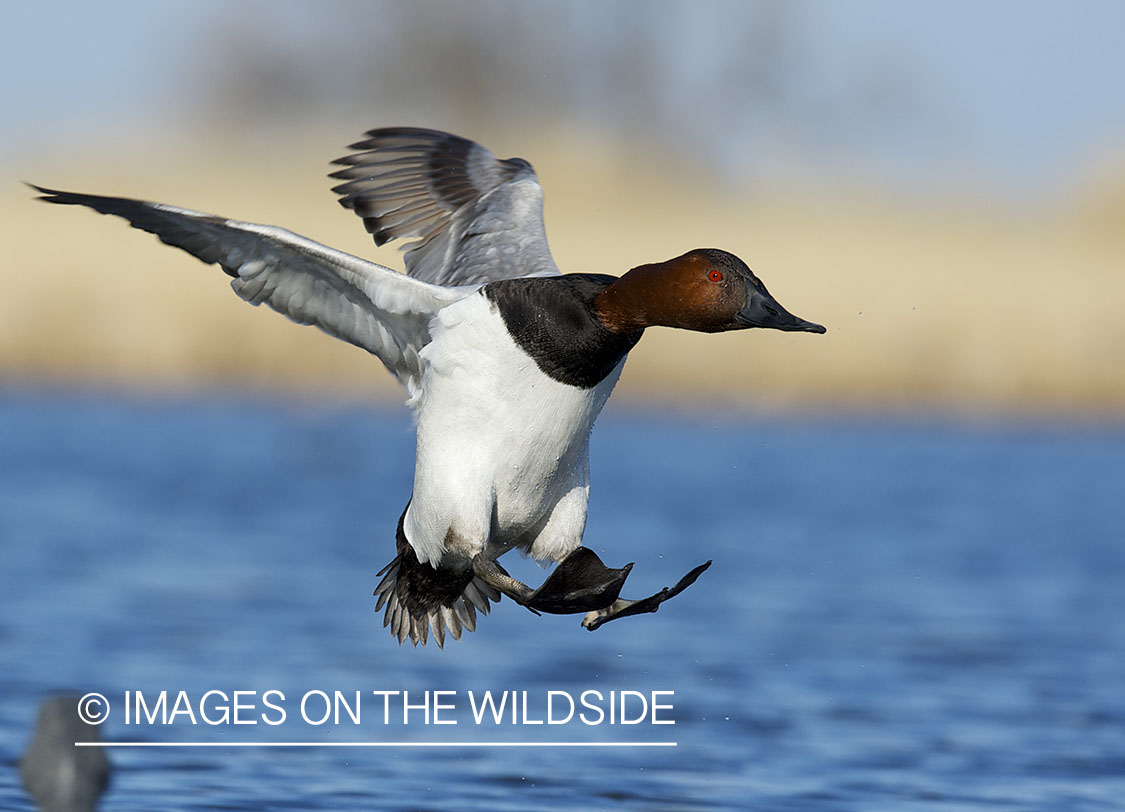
x=418 y=597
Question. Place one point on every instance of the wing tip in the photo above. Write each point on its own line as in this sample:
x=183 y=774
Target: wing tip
x=52 y=195
x=59 y=196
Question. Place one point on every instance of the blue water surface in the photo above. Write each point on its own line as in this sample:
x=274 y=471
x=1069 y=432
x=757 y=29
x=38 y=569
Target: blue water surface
x=901 y=615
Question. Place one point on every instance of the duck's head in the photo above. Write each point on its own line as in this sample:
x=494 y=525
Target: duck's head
x=707 y=290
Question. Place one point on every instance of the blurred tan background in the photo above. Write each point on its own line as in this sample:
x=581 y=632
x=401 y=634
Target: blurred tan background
x=943 y=188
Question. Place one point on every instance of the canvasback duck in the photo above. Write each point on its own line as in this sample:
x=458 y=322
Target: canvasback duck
x=506 y=360
x=58 y=774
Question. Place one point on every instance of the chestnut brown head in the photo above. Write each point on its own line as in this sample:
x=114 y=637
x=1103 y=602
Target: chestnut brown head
x=707 y=290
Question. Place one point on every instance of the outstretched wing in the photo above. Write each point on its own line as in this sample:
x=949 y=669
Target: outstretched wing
x=475 y=218
x=380 y=310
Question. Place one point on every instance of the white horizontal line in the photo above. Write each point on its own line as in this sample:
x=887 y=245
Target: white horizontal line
x=375 y=744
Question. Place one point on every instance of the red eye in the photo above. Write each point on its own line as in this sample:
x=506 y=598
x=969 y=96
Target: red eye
x=715 y=276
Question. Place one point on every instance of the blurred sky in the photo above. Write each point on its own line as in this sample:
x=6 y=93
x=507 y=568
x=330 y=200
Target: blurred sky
x=1016 y=96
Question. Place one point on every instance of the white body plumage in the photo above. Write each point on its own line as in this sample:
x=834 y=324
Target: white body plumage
x=503 y=449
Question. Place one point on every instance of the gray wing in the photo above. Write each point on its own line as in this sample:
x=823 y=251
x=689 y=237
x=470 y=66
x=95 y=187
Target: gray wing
x=380 y=310
x=474 y=218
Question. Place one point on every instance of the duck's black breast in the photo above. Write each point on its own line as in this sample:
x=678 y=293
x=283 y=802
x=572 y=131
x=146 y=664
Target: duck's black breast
x=553 y=320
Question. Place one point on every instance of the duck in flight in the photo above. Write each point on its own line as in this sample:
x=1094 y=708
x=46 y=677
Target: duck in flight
x=507 y=361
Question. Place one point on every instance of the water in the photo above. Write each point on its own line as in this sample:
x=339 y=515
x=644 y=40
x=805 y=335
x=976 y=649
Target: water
x=900 y=616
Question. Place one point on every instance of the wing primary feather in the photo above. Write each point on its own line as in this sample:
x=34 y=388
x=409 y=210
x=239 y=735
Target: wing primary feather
x=452 y=187
x=384 y=312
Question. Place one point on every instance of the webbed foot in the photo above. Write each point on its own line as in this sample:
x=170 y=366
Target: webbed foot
x=624 y=608
x=580 y=583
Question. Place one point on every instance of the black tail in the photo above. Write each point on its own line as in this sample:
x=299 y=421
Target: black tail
x=419 y=597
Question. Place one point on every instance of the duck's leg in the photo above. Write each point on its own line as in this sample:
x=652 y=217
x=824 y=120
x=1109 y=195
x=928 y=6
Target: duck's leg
x=498 y=578
x=623 y=608
x=580 y=583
